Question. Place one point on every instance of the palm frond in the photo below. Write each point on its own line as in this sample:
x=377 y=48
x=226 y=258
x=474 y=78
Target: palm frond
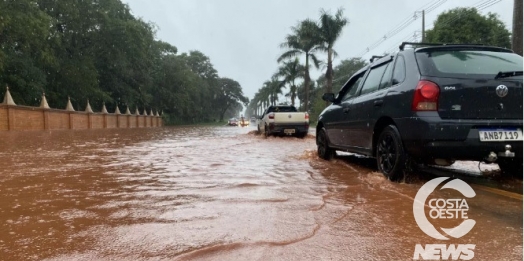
x=289 y=54
x=316 y=62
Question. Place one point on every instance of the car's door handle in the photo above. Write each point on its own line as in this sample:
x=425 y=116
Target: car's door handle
x=346 y=110
x=378 y=103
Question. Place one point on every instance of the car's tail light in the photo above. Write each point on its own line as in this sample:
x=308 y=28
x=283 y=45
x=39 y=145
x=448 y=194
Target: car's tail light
x=426 y=96
x=271 y=116
x=306 y=116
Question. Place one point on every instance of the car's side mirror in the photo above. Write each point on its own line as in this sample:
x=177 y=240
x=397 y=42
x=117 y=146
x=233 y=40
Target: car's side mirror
x=330 y=97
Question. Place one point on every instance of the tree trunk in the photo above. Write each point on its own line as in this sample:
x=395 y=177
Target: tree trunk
x=223 y=112
x=516 y=42
x=293 y=94
x=329 y=73
x=306 y=84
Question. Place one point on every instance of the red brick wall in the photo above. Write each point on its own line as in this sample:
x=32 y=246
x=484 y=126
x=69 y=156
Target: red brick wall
x=80 y=121
x=28 y=119
x=122 y=121
x=97 y=121
x=58 y=120
x=132 y=121
x=34 y=118
x=111 y=121
x=3 y=119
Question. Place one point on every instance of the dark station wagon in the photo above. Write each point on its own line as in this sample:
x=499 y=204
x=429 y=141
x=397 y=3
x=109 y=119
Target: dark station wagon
x=431 y=104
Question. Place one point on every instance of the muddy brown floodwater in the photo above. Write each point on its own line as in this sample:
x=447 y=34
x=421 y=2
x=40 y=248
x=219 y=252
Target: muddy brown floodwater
x=215 y=193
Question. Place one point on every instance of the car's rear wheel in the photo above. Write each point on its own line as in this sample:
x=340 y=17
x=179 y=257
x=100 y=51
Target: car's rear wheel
x=258 y=129
x=323 y=149
x=511 y=167
x=266 y=131
x=390 y=155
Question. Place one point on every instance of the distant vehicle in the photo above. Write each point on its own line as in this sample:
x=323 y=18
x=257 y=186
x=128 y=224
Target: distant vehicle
x=253 y=119
x=232 y=122
x=283 y=120
x=432 y=104
x=243 y=122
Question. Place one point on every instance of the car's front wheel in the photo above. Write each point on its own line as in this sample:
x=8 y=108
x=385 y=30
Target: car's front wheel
x=511 y=167
x=323 y=149
x=390 y=154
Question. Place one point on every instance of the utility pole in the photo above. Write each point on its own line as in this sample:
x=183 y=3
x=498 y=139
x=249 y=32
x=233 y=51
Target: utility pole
x=424 y=24
x=516 y=37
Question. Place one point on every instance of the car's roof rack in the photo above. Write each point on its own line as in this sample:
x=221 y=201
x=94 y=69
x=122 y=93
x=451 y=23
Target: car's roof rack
x=375 y=57
x=401 y=47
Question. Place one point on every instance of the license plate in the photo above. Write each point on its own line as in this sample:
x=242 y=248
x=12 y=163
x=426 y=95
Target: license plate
x=289 y=131
x=500 y=135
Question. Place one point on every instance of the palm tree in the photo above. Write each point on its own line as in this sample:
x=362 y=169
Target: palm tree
x=304 y=40
x=330 y=30
x=273 y=88
x=291 y=70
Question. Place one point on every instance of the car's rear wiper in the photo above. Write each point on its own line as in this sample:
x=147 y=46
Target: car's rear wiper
x=508 y=74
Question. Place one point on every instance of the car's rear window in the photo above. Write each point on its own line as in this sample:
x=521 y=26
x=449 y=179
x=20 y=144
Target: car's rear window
x=283 y=109
x=464 y=63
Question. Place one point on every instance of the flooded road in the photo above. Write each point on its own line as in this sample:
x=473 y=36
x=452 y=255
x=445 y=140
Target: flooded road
x=216 y=193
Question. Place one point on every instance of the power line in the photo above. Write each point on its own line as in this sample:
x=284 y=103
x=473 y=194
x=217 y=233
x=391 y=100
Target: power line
x=406 y=22
x=481 y=5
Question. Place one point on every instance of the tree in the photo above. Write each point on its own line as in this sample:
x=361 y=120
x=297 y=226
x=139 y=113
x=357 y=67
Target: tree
x=291 y=71
x=24 y=50
x=516 y=39
x=304 y=40
x=343 y=71
x=230 y=95
x=330 y=30
x=466 y=25
x=98 y=50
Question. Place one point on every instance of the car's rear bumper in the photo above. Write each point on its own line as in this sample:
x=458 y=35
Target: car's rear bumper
x=432 y=137
x=299 y=128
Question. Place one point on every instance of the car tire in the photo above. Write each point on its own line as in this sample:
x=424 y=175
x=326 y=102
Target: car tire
x=258 y=129
x=266 y=131
x=390 y=155
x=323 y=149
x=511 y=167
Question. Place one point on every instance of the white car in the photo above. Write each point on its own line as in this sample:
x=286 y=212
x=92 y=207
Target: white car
x=285 y=120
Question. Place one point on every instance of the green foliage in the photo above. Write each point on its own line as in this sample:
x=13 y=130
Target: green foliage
x=306 y=39
x=98 y=50
x=330 y=30
x=342 y=72
x=466 y=25
x=291 y=71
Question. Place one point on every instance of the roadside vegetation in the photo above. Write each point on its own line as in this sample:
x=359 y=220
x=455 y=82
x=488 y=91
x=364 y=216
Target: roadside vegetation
x=98 y=50
x=313 y=42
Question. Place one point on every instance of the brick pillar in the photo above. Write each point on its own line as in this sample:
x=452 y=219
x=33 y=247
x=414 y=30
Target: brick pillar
x=71 y=121
x=89 y=121
x=46 y=119
x=10 y=118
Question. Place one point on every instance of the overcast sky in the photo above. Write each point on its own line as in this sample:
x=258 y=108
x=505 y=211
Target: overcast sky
x=242 y=37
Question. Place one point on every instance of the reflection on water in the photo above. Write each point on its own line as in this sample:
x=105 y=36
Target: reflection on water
x=212 y=193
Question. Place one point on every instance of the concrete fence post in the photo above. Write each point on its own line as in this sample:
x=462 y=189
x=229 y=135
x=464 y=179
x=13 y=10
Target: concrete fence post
x=89 y=112
x=104 y=112
x=45 y=111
